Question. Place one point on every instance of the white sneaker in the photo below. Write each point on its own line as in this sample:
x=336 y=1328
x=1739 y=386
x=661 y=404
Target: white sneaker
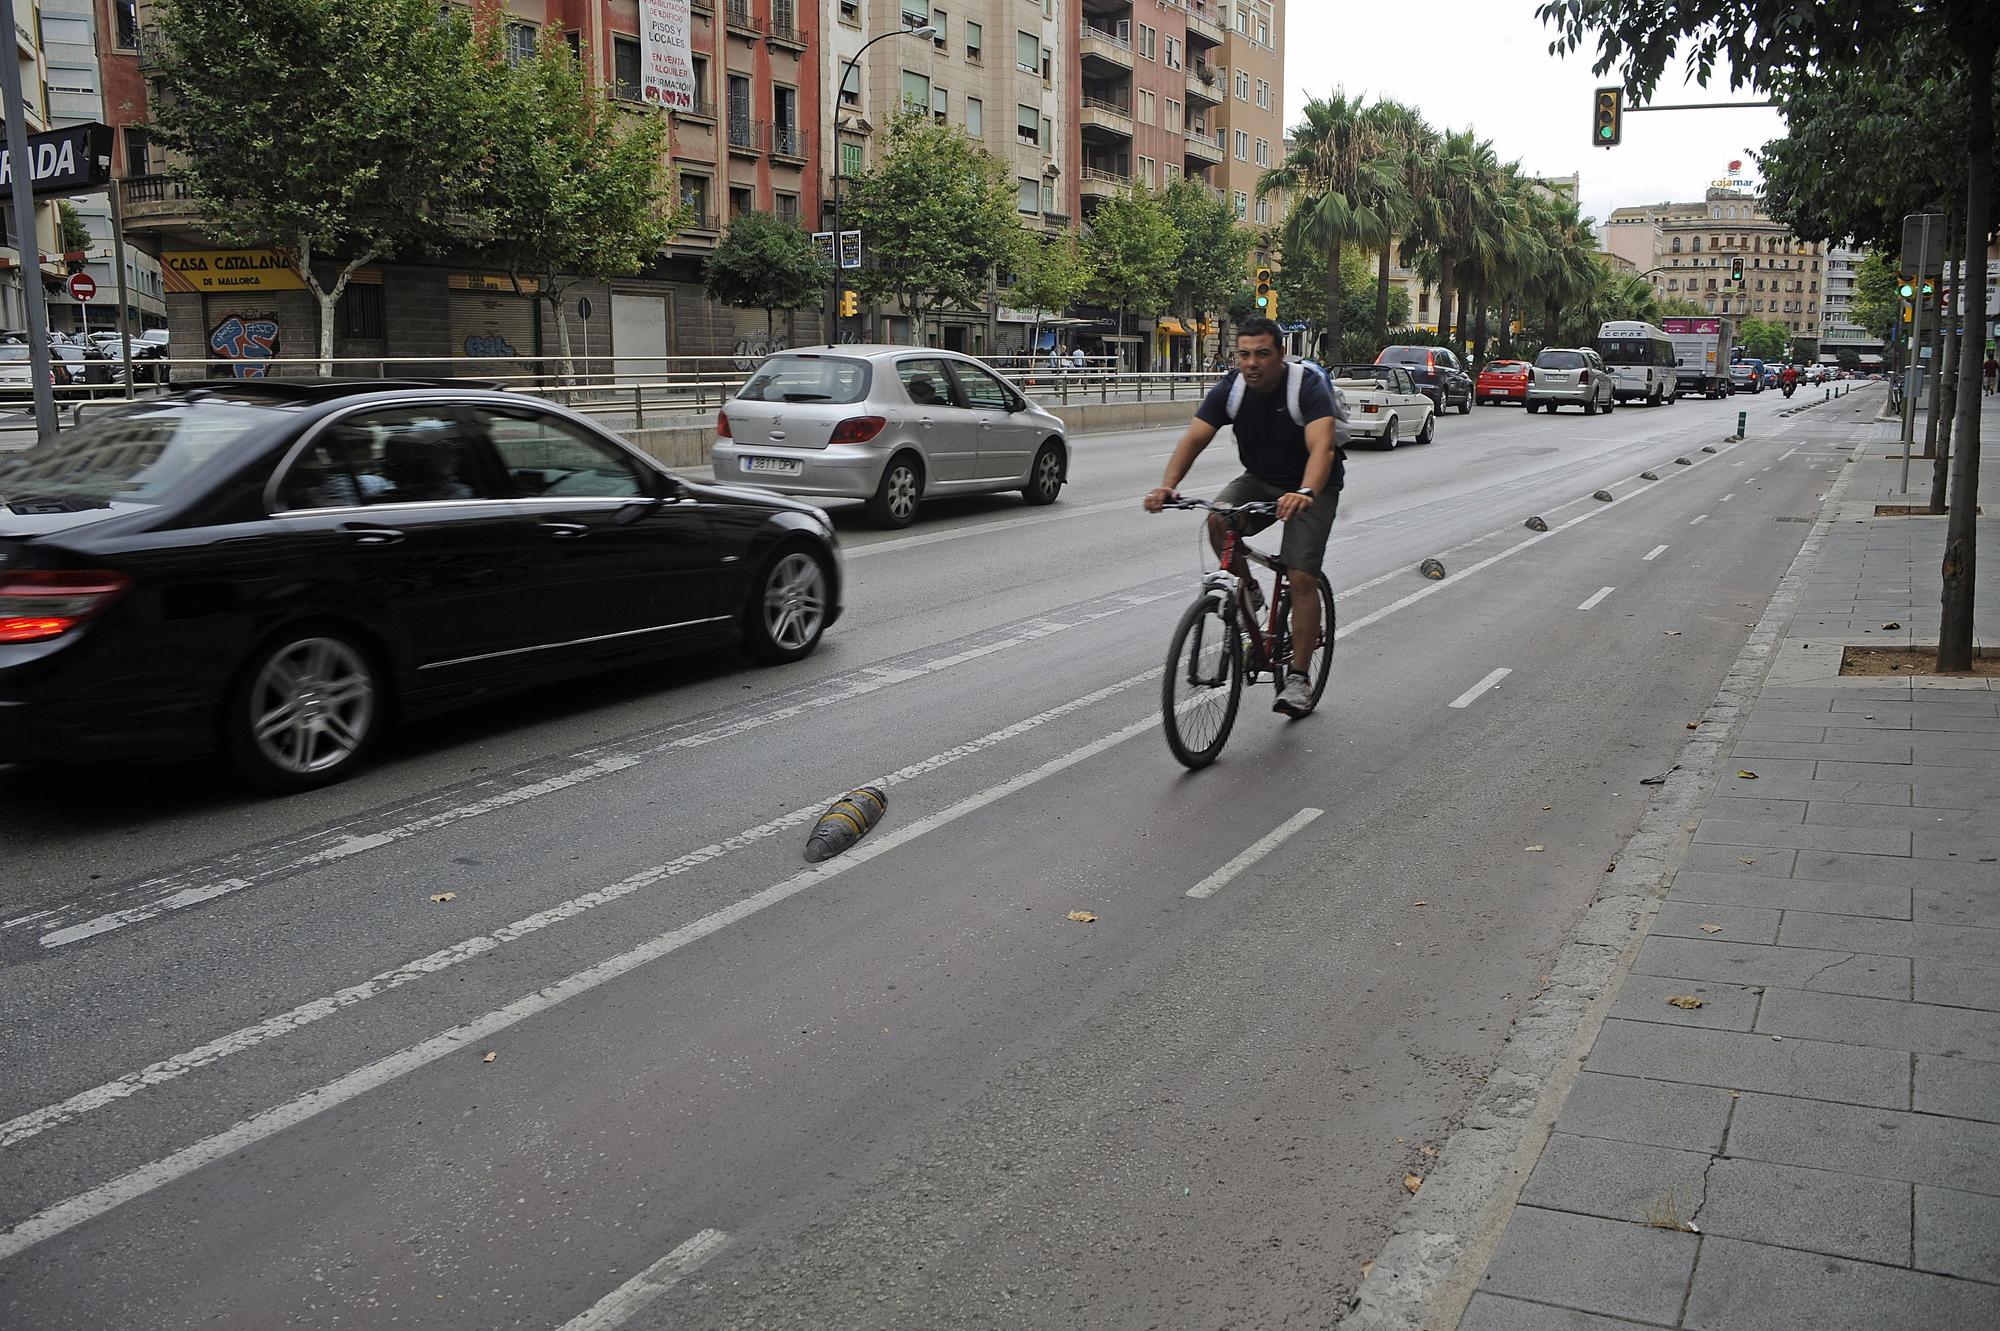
x=1296 y=698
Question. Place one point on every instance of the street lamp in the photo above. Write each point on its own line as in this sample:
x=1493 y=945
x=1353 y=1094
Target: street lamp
x=928 y=31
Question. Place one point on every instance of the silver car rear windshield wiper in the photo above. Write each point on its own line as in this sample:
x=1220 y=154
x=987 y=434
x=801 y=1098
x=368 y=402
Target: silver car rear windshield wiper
x=808 y=397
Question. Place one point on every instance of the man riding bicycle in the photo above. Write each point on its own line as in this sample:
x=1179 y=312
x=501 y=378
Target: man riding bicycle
x=1289 y=460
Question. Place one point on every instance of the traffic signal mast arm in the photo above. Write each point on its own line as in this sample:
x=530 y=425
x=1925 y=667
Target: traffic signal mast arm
x=1608 y=110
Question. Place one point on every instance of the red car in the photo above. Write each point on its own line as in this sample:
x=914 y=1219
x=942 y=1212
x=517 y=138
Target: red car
x=1503 y=381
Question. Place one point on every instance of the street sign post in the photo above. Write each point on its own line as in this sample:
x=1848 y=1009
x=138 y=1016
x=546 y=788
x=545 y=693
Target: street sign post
x=82 y=286
x=1923 y=256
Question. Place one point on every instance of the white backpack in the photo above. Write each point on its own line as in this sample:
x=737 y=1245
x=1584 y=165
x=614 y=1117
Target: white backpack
x=1296 y=371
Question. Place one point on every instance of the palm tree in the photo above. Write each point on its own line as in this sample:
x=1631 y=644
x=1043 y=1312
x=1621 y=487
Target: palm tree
x=1338 y=179
x=1495 y=247
x=1570 y=271
x=1463 y=176
x=1409 y=144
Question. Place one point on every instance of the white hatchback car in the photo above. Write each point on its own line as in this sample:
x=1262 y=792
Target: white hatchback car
x=890 y=425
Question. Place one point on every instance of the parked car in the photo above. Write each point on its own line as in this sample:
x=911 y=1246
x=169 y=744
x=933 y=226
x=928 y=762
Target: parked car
x=892 y=425
x=1503 y=381
x=277 y=568
x=1436 y=371
x=1570 y=376
x=1385 y=405
x=85 y=368
x=16 y=373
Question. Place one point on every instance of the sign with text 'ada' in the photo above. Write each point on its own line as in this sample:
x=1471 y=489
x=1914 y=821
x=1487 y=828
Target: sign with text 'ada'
x=667 y=76
x=72 y=160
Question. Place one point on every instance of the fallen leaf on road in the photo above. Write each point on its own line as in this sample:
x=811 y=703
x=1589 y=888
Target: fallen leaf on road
x=1892 y=624
x=1748 y=776
x=1670 y=633
x=1711 y=928
x=490 y=1056
x=1547 y=807
x=1694 y=725
x=444 y=896
x=1736 y=1095
x=1745 y=860
x=1366 y=1267
x=1684 y=1000
x=1411 y=1182
x=1427 y=1150
x=1611 y=866
x=1537 y=848
x=1083 y=917
x=1420 y=903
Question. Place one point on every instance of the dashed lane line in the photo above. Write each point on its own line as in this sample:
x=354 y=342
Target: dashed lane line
x=1264 y=845
x=1596 y=597
x=621 y=1305
x=1467 y=698
x=1653 y=554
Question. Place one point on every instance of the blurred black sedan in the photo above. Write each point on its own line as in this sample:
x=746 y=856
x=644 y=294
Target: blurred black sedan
x=275 y=569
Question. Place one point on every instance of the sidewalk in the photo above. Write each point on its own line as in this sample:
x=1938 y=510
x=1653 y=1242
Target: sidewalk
x=1817 y=1144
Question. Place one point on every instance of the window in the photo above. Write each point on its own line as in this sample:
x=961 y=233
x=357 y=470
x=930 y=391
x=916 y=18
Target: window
x=1263 y=152
x=694 y=193
x=925 y=382
x=1048 y=195
x=1148 y=104
x=1263 y=32
x=1263 y=212
x=851 y=163
x=401 y=456
x=982 y=391
x=1677 y=244
x=1149 y=42
x=785 y=121
x=625 y=75
x=361 y=313
x=1147 y=166
x=138 y=150
x=1028 y=52
x=1242 y=85
x=741 y=200
x=1027 y=125
x=940 y=104
x=1242 y=145
x=1242 y=201
x=975 y=117
x=1697 y=245
x=547 y=456
x=1174 y=114
x=125 y=21
x=785 y=207
x=916 y=91
x=699 y=66
x=1028 y=195
x=1264 y=93
x=1173 y=60
x=850 y=86
x=520 y=42
x=939 y=20
x=975 y=41
x=916 y=13
x=850 y=12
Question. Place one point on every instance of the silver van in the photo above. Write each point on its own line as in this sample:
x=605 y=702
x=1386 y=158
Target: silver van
x=1570 y=376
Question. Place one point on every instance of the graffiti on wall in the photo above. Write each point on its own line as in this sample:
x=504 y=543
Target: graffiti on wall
x=488 y=344
x=753 y=347
x=247 y=341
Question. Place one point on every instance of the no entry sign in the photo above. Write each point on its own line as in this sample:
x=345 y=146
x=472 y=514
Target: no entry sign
x=83 y=286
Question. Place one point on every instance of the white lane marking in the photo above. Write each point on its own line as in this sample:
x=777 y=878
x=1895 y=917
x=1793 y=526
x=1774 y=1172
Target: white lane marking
x=35 y=1122
x=1597 y=596
x=1726 y=498
x=1695 y=522
x=1466 y=698
x=624 y=1303
x=1738 y=464
x=854 y=552
x=66 y=1215
x=1210 y=885
x=172 y=892
x=1653 y=554
x=1787 y=453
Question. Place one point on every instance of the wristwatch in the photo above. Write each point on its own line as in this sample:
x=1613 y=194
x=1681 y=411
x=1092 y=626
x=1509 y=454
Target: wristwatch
x=1305 y=490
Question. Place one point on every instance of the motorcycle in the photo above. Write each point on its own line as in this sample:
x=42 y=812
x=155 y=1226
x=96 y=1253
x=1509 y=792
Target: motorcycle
x=1791 y=387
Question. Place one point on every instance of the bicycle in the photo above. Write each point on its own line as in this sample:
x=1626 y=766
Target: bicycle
x=1219 y=645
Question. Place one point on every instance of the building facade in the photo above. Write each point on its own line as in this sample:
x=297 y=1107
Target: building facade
x=1838 y=333
x=1693 y=249
x=35 y=255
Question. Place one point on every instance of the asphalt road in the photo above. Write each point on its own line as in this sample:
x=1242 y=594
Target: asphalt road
x=257 y=1076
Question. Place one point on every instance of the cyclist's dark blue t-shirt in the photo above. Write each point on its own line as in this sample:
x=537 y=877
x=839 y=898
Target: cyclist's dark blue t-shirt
x=1270 y=443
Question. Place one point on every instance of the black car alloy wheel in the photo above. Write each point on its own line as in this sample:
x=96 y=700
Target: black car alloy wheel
x=308 y=707
x=787 y=610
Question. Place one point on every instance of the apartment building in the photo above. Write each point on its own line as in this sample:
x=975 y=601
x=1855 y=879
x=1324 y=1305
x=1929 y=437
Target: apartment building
x=39 y=255
x=1693 y=246
x=1838 y=332
x=1253 y=118
x=995 y=69
x=751 y=141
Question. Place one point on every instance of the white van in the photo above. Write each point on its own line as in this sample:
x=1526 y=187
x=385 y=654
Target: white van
x=1641 y=360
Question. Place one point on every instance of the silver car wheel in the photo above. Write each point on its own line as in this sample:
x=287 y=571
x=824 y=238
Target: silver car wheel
x=1048 y=473
x=901 y=491
x=312 y=706
x=795 y=601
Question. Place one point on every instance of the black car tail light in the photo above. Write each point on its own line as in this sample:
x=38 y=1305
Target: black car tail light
x=858 y=429
x=36 y=605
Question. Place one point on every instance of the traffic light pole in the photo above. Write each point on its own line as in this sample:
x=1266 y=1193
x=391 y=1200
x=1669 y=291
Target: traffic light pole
x=1911 y=360
x=34 y=307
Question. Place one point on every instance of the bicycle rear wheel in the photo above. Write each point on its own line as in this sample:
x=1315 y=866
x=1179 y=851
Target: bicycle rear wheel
x=1322 y=656
x=1203 y=683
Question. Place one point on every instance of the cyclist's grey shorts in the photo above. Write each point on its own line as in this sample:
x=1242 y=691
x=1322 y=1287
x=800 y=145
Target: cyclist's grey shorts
x=1305 y=535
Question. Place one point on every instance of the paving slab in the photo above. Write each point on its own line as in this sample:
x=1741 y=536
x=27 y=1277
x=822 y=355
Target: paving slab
x=1852 y=933
x=1914 y=1027
x=1728 y=889
x=1814 y=1209
x=1728 y=1007
x=1879 y=1143
x=1619 y=1180
x=1593 y=1265
x=1959 y=1087
x=1958 y=984
x=1803 y=835
x=1839 y=972
x=1645 y=1110
x=1738 y=1060
x=1734 y=924
x=1491 y=1312
x=1958 y=1234
x=1754 y=1287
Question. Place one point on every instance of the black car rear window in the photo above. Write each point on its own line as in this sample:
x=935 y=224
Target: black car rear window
x=1406 y=356
x=139 y=456
x=837 y=379
x=1560 y=360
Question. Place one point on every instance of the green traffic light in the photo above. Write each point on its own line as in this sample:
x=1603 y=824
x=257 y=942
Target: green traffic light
x=1263 y=301
x=1604 y=133
x=1905 y=290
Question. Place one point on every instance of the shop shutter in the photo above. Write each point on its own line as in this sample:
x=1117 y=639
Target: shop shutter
x=487 y=323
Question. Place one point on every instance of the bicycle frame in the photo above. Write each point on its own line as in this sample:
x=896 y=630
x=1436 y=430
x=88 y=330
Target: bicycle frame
x=1262 y=647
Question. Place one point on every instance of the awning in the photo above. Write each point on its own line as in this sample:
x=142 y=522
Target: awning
x=1171 y=327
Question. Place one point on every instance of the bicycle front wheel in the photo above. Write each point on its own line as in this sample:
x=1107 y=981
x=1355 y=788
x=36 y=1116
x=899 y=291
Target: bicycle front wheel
x=1203 y=684
x=1321 y=667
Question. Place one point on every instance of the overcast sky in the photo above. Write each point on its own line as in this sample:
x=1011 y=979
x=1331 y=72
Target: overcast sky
x=1485 y=63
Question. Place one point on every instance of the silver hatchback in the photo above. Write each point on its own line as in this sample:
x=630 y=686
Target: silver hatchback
x=889 y=425
x=1570 y=376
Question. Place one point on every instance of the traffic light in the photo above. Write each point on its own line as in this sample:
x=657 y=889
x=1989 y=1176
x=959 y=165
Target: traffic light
x=1266 y=297
x=1607 y=129
x=1736 y=268
x=1907 y=290
x=850 y=304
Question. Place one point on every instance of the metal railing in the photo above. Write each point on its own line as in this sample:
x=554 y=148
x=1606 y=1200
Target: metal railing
x=784 y=23
x=154 y=189
x=1101 y=104
x=736 y=13
x=745 y=135
x=786 y=141
x=1103 y=35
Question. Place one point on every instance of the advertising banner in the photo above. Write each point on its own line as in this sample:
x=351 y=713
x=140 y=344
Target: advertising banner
x=228 y=270
x=666 y=51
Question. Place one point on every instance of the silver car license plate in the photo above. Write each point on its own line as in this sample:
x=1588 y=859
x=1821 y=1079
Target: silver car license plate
x=774 y=466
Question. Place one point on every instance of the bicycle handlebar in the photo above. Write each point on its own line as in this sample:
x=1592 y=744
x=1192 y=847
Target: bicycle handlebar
x=1256 y=508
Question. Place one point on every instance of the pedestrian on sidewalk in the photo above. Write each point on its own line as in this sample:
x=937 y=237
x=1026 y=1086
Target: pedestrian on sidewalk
x=1992 y=370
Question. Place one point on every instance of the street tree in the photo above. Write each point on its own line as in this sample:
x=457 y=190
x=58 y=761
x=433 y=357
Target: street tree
x=1130 y=246
x=936 y=216
x=1408 y=146
x=1761 y=339
x=1301 y=282
x=73 y=235
x=1340 y=180
x=762 y=263
x=1214 y=249
x=1876 y=302
x=1680 y=307
x=335 y=132
x=1049 y=277
x=1777 y=44
x=577 y=189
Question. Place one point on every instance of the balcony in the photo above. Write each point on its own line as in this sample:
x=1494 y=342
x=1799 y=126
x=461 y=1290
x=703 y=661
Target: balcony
x=736 y=16
x=158 y=203
x=1205 y=147
x=703 y=109
x=785 y=27
x=152 y=49
x=702 y=221
x=1105 y=54
x=1204 y=24
x=1205 y=85
x=788 y=143
x=748 y=138
x=1100 y=120
x=1098 y=184
x=1056 y=221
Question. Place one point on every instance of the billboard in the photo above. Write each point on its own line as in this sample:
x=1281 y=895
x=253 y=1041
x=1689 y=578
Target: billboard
x=667 y=74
